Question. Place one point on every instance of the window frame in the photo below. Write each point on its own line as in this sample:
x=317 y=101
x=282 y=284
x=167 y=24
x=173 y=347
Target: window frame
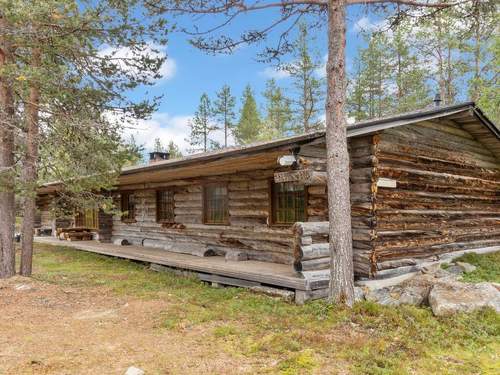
x=204 y=203
x=128 y=193
x=157 y=194
x=272 y=206
x=84 y=216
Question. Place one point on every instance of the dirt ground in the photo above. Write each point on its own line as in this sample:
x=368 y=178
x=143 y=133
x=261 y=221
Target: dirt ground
x=46 y=329
x=84 y=313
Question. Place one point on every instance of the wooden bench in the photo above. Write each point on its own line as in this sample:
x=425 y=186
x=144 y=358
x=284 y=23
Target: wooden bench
x=74 y=234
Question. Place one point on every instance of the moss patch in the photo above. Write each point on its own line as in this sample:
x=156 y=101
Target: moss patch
x=488 y=267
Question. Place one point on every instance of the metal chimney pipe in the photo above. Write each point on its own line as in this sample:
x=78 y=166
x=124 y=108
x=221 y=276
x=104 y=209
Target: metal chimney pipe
x=437 y=100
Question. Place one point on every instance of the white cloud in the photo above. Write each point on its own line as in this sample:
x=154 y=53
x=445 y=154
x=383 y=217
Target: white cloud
x=167 y=128
x=350 y=120
x=365 y=24
x=271 y=72
x=321 y=71
x=167 y=70
x=160 y=125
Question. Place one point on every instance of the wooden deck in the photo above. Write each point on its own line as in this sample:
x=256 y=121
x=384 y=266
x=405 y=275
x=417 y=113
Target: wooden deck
x=213 y=268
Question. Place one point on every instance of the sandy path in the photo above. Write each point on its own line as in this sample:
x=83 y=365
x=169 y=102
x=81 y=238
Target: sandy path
x=49 y=329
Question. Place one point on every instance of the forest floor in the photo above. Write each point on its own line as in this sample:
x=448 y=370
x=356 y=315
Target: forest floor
x=84 y=313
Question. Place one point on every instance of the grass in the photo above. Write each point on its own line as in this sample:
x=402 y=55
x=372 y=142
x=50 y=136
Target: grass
x=488 y=267
x=314 y=338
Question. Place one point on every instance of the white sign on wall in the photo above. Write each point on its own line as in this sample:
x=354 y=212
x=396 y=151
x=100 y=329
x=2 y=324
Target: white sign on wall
x=387 y=182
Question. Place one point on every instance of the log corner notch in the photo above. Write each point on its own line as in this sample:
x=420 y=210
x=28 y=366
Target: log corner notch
x=311 y=246
x=303 y=176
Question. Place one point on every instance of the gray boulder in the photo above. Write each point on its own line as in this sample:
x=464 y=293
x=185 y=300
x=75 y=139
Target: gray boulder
x=408 y=294
x=449 y=298
x=455 y=270
x=466 y=267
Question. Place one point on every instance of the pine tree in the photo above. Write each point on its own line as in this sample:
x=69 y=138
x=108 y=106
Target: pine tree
x=250 y=125
x=410 y=78
x=135 y=152
x=438 y=41
x=356 y=95
x=278 y=119
x=202 y=126
x=310 y=90
x=173 y=150
x=376 y=75
x=481 y=46
x=388 y=78
x=224 y=110
x=489 y=98
x=158 y=146
x=65 y=81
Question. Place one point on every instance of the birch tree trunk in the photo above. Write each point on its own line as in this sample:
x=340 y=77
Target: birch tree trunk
x=29 y=173
x=342 y=275
x=7 y=205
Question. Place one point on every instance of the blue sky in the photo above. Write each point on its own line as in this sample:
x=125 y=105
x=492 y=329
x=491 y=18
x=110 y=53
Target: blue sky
x=190 y=72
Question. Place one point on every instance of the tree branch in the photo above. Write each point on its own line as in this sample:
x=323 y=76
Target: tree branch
x=407 y=2
x=240 y=5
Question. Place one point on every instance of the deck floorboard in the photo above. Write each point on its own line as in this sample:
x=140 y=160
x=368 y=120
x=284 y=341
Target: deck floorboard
x=274 y=274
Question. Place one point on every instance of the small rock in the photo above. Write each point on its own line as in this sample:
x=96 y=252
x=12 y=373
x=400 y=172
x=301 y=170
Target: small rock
x=431 y=268
x=451 y=298
x=134 y=371
x=455 y=270
x=22 y=287
x=359 y=294
x=496 y=285
x=444 y=274
x=466 y=267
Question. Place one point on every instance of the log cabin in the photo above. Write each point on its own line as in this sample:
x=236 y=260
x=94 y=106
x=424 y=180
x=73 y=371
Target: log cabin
x=423 y=184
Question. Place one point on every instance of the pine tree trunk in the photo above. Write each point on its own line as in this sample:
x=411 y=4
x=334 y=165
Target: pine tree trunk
x=29 y=173
x=342 y=275
x=226 y=127
x=7 y=203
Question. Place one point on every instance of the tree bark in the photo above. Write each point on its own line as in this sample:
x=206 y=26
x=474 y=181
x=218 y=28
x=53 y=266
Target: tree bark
x=342 y=275
x=7 y=204
x=29 y=173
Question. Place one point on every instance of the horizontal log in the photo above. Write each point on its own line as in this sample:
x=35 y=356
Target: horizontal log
x=248 y=185
x=444 y=143
x=254 y=194
x=392 y=145
x=317 y=211
x=187 y=197
x=248 y=212
x=303 y=176
x=312 y=265
x=313 y=251
x=308 y=229
x=317 y=190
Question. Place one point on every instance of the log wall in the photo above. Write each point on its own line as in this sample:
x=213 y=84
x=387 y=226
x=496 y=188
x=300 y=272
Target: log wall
x=447 y=194
x=44 y=220
x=248 y=232
x=363 y=185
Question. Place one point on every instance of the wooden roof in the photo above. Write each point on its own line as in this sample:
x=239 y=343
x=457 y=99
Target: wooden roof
x=466 y=115
x=264 y=154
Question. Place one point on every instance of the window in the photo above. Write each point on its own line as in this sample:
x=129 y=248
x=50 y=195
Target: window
x=88 y=218
x=128 y=206
x=288 y=203
x=215 y=205
x=165 y=206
